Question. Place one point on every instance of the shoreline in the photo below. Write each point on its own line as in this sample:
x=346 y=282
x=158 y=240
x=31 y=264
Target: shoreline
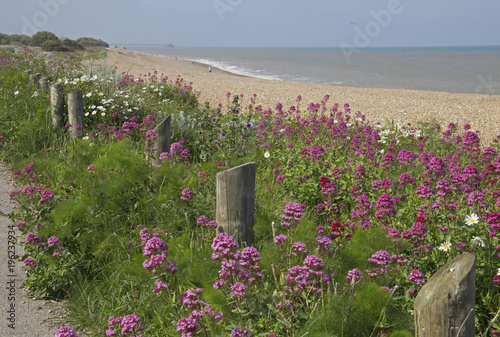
x=379 y=105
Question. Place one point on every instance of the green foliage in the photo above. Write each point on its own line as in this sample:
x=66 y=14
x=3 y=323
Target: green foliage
x=72 y=45
x=91 y=42
x=54 y=45
x=4 y=39
x=39 y=38
x=21 y=40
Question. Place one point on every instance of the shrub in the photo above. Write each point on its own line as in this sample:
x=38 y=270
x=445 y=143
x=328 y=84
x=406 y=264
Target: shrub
x=91 y=42
x=4 y=39
x=17 y=39
x=51 y=45
x=39 y=38
x=72 y=44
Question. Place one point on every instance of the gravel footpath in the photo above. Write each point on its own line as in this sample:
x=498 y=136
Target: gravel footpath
x=21 y=315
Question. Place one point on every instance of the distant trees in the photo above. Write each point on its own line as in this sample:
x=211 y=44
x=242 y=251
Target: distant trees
x=20 y=40
x=4 y=39
x=49 y=41
x=40 y=37
x=91 y=42
x=72 y=44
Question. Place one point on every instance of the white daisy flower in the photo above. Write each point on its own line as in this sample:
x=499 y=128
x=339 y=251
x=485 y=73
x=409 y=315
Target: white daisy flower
x=477 y=241
x=16 y=93
x=471 y=219
x=446 y=246
x=266 y=154
x=87 y=114
x=103 y=114
x=89 y=94
x=86 y=138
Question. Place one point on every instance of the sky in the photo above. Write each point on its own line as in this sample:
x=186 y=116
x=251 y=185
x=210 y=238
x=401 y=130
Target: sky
x=261 y=23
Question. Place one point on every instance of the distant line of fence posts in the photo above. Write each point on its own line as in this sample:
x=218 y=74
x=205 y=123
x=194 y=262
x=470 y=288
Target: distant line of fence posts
x=444 y=306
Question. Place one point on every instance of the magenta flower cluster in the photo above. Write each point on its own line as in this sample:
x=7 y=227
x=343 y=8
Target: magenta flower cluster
x=125 y=326
x=292 y=214
x=239 y=270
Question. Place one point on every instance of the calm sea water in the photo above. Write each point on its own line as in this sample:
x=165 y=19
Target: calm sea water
x=449 y=69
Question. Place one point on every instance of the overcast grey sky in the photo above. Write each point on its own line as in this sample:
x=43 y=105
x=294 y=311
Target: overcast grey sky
x=262 y=23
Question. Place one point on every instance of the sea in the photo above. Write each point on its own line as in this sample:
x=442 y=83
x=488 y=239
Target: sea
x=449 y=69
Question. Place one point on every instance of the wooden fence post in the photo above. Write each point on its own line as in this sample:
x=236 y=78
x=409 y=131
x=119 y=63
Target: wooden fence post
x=162 y=143
x=236 y=203
x=57 y=105
x=75 y=112
x=444 y=306
x=34 y=79
x=43 y=83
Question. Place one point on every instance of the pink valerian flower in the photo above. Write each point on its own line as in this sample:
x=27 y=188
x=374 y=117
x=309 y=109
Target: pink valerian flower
x=156 y=249
x=202 y=220
x=240 y=332
x=30 y=263
x=324 y=244
x=129 y=325
x=53 y=241
x=164 y=155
x=176 y=149
x=416 y=277
x=236 y=266
x=292 y=214
x=224 y=246
x=191 y=299
x=28 y=190
x=159 y=286
x=238 y=289
x=471 y=138
x=91 y=169
x=46 y=195
x=308 y=277
x=212 y=224
x=186 y=194
x=66 y=331
x=354 y=274
x=33 y=238
x=380 y=258
x=187 y=326
x=280 y=239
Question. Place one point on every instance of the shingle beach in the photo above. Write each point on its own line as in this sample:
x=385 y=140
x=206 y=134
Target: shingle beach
x=482 y=112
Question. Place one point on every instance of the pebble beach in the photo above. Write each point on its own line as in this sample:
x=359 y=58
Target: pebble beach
x=482 y=112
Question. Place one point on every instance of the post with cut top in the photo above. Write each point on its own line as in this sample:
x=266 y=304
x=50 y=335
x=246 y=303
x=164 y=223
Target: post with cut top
x=236 y=203
x=445 y=305
x=162 y=142
x=57 y=105
x=43 y=83
x=34 y=79
x=75 y=113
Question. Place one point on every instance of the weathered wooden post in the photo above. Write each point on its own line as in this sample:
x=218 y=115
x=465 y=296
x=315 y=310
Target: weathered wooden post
x=57 y=105
x=162 y=143
x=34 y=79
x=75 y=112
x=236 y=203
x=43 y=83
x=444 y=306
